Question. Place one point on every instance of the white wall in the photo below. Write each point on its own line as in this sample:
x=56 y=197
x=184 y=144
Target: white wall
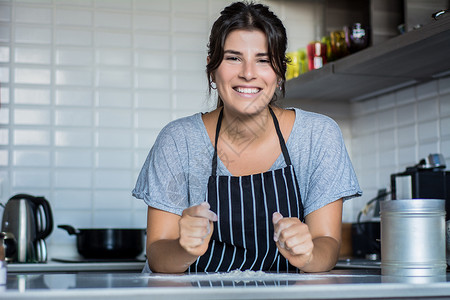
x=86 y=85
x=394 y=131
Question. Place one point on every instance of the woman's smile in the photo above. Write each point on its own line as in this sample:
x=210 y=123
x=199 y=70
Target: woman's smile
x=247 y=91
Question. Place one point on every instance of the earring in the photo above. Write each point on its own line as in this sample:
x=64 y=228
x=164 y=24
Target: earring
x=279 y=84
x=212 y=83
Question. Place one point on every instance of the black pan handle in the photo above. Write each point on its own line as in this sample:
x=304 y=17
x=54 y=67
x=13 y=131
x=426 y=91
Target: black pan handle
x=69 y=229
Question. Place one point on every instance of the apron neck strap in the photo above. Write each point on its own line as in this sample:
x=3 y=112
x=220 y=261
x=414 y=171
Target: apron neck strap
x=287 y=159
x=284 y=150
x=214 y=160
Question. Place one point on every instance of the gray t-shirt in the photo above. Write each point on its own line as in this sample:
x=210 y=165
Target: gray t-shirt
x=176 y=171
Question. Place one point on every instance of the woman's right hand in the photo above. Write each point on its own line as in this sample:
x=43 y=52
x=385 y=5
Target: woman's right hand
x=196 y=227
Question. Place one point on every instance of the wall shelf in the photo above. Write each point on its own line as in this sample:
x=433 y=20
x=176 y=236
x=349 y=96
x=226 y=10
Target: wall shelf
x=414 y=57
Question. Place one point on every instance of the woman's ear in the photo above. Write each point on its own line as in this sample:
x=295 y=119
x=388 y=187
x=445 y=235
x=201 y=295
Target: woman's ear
x=208 y=59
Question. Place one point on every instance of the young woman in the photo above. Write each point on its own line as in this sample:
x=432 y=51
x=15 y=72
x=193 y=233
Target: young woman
x=249 y=185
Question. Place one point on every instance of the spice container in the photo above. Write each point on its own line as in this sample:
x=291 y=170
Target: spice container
x=317 y=55
x=338 y=44
x=356 y=37
x=293 y=65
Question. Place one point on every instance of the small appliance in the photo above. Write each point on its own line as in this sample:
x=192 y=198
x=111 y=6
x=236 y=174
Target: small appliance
x=30 y=220
x=426 y=180
x=366 y=240
x=366 y=234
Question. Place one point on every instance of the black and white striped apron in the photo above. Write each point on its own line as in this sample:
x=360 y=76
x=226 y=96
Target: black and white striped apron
x=243 y=235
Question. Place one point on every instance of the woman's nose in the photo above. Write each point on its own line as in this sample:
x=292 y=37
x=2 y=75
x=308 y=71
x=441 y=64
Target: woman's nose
x=248 y=71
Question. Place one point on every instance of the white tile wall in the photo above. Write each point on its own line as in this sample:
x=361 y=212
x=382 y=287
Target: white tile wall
x=86 y=85
x=394 y=131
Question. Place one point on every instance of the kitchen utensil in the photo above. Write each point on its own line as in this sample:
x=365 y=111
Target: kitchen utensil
x=30 y=220
x=108 y=242
x=413 y=237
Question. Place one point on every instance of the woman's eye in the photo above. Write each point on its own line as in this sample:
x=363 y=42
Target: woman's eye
x=264 y=61
x=232 y=58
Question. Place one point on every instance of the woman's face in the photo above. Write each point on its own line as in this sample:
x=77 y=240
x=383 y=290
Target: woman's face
x=245 y=79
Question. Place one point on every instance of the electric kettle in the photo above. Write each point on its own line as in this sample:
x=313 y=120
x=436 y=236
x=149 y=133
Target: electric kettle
x=30 y=220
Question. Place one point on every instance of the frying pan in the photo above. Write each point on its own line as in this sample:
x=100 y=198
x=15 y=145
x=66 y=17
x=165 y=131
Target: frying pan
x=111 y=243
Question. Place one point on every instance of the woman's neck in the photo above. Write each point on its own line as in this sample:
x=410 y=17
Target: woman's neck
x=241 y=130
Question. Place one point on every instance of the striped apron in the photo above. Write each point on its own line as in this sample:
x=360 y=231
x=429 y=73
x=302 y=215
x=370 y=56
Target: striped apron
x=243 y=235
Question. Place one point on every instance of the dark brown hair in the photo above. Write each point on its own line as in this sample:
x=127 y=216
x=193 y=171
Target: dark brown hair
x=248 y=16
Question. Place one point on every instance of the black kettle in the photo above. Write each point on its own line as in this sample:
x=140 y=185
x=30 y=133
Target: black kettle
x=30 y=220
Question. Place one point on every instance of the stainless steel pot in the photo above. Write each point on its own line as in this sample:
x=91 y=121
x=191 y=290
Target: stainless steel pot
x=413 y=237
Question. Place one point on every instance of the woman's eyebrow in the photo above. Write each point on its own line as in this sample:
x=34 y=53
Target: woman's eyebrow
x=234 y=52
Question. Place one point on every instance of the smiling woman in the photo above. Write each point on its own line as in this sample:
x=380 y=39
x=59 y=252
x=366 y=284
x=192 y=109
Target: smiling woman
x=235 y=17
x=247 y=186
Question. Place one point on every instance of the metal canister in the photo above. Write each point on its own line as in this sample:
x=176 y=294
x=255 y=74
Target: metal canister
x=413 y=237
x=447 y=238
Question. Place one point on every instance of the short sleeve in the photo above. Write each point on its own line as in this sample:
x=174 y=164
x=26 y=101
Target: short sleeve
x=331 y=173
x=162 y=182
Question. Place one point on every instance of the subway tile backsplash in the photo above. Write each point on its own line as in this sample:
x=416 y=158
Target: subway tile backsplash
x=396 y=130
x=85 y=88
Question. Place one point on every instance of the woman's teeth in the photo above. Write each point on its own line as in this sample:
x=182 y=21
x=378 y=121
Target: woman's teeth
x=247 y=90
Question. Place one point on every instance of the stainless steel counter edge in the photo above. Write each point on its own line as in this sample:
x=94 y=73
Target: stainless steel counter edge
x=328 y=291
x=74 y=267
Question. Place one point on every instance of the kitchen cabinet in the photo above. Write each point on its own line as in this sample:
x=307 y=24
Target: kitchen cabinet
x=415 y=57
x=342 y=284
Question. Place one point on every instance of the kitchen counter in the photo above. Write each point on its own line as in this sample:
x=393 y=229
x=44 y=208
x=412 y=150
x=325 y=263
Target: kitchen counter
x=336 y=284
x=77 y=263
x=57 y=266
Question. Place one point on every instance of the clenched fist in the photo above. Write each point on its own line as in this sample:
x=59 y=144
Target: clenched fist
x=196 y=227
x=293 y=239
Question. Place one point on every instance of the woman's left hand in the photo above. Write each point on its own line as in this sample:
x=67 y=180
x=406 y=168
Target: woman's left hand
x=293 y=239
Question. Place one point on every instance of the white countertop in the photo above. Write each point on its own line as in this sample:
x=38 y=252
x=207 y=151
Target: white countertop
x=336 y=284
x=55 y=265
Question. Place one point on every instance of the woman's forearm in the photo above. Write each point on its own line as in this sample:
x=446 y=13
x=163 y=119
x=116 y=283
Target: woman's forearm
x=324 y=256
x=167 y=256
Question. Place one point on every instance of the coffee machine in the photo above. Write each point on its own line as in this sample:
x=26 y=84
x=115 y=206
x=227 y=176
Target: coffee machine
x=29 y=219
x=426 y=180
